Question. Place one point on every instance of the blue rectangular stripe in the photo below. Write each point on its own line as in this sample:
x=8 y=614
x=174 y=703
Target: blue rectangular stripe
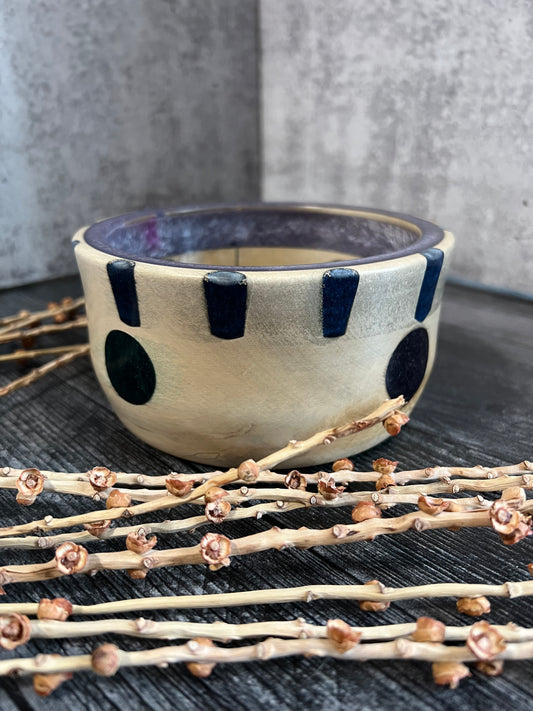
x=339 y=287
x=122 y=280
x=434 y=259
x=226 y=297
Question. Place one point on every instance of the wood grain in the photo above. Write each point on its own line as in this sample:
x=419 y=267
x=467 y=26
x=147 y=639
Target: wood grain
x=476 y=409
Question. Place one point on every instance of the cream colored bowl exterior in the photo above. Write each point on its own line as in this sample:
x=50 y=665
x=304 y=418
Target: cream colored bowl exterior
x=221 y=401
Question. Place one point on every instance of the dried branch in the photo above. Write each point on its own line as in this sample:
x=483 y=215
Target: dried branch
x=283 y=501
x=217 y=550
x=247 y=471
x=30 y=333
x=106 y=660
x=38 y=373
x=306 y=593
x=81 y=488
x=165 y=527
x=156 y=500
x=159 y=500
x=268 y=477
x=328 y=436
x=225 y=632
x=26 y=319
x=23 y=354
x=237 y=496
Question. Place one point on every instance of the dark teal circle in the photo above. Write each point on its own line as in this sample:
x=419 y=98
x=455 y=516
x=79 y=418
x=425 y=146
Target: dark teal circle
x=129 y=367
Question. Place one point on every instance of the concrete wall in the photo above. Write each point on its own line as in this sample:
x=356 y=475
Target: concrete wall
x=423 y=107
x=111 y=105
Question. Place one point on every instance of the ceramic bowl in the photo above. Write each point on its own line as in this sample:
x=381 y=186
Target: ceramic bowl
x=219 y=332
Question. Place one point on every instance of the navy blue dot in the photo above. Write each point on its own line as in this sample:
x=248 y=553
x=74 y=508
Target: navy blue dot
x=129 y=368
x=407 y=365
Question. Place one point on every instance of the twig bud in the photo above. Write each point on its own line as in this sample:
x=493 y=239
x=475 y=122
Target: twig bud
x=214 y=493
x=449 y=673
x=117 y=499
x=524 y=529
x=101 y=478
x=429 y=630
x=432 y=506
x=138 y=542
x=365 y=510
x=30 y=483
x=215 y=549
x=201 y=669
x=105 y=660
x=216 y=511
x=45 y=684
x=384 y=466
x=505 y=519
x=473 y=606
x=374 y=606
x=71 y=558
x=384 y=481
x=490 y=667
x=514 y=496
x=97 y=528
x=27 y=342
x=249 y=471
x=60 y=317
x=343 y=464
x=342 y=635
x=57 y=609
x=179 y=485
x=137 y=574
x=394 y=423
x=509 y=523
x=15 y=630
x=295 y=480
x=67 y=301
x=485 y=641
x=327 y=486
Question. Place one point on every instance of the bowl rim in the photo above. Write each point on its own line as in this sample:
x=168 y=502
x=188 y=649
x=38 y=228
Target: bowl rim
x=429 y=234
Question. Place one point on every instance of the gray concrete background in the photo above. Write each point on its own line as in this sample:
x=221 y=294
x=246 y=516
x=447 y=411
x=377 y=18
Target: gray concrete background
x=112 y=105
x=423 y=107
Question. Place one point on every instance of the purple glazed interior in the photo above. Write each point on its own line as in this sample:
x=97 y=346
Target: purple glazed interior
x=153 y=235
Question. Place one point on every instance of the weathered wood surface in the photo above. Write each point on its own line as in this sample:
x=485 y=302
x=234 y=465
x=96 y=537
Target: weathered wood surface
x=476 y=409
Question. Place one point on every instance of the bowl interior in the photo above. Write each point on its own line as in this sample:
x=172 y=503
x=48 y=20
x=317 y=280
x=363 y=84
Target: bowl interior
x=261 y=236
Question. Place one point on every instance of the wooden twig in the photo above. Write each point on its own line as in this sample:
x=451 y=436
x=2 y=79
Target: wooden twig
x=284 y=501
x=391 y=496
x=10 y=336
x=272 y=648
x=304 y=593
x=38 y=373
x=9 y=323
x=269 y=477
x=294 y=447
x=247 y=471
x=225 y=632
x=158 y=501
x=217 y=550
x=22 y=354
x=161 y=499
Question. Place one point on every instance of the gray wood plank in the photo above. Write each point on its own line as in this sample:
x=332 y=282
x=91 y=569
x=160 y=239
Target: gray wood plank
x=476 y=409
